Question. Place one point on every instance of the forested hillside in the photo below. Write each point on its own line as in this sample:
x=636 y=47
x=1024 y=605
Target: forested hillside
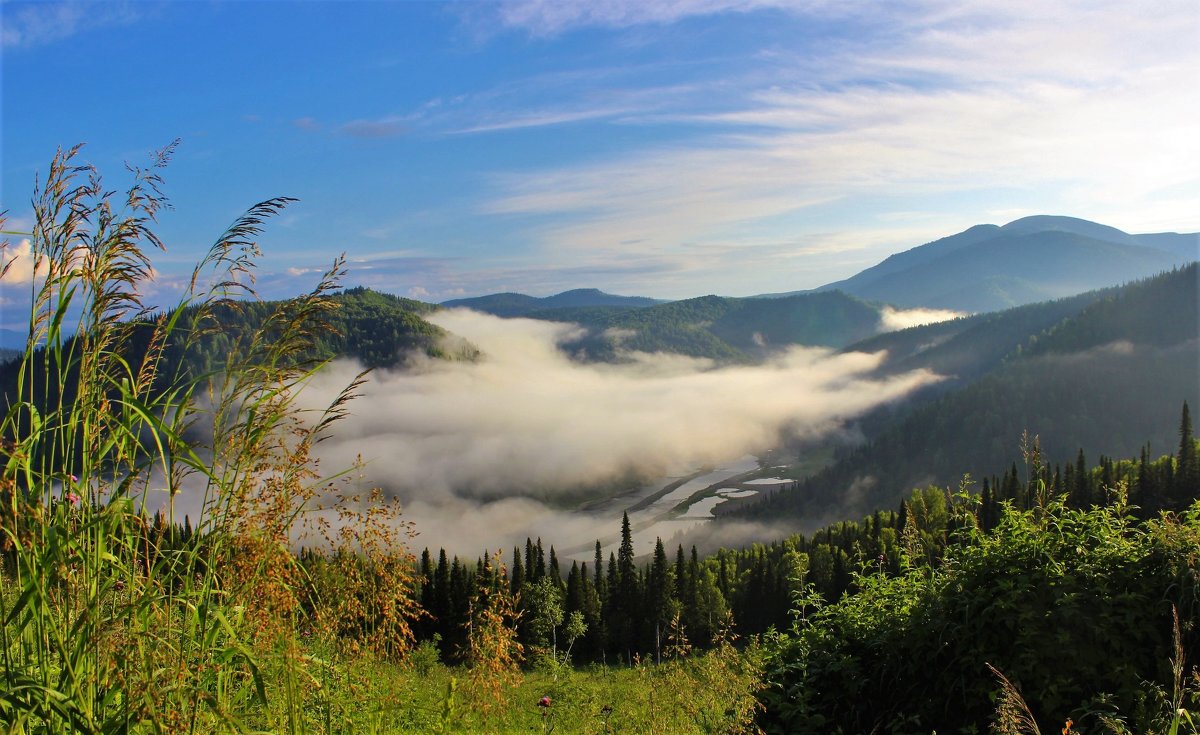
x=964 y=349
x=1135 y=346
x=720 y=328
x=375 y=328
x=516 y=304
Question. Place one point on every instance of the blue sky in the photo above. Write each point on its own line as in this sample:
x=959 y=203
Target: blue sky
x=668 y=149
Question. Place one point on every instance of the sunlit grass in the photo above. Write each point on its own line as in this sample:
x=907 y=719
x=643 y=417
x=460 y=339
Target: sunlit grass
x=116 y=619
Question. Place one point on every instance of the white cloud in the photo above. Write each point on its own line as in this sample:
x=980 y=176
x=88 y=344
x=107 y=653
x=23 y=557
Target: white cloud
x=1086 y=107
x=551 y=17
x=450 y=437
x=892 y=319
x=543 y=118
x=20 y=263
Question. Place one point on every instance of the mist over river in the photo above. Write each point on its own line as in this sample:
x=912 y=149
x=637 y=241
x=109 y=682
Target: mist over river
x=485 y=453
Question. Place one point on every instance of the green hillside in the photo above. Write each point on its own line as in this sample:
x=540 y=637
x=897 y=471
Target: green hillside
x=721 y=328
x=379 y=330
x=516 y=304
x=375 y=328
x=966 y=348
x=1138 y=347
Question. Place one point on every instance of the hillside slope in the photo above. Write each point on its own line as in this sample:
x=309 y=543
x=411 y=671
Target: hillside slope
x=721 y=328
x=1104 y=378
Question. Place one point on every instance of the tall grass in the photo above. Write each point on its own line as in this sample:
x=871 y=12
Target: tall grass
x=112 y=622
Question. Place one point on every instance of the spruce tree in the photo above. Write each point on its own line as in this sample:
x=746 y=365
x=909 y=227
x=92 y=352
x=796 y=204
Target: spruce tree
x=539 y=560
x=598 y=567
x=660 y=593
x=518 y=572
x=625 y=596
x=555 y=572
x=1187 y=474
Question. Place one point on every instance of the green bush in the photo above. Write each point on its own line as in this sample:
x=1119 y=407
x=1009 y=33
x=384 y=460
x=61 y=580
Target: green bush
x=1075 y=607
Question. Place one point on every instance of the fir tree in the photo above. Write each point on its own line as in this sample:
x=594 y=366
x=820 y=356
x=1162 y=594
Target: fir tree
x=660 y=592
x=1187 y=473
x=518 y=572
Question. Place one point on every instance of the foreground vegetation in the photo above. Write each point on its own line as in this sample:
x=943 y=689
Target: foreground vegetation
x=1038 y=600
x=1090 y=614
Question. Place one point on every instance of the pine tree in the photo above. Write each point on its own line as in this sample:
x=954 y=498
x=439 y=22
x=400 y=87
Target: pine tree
x=680 y=571
x=598 y=566
x=555 y=573
x=426 y=624
x=660 y=593
x=625 y=566
x=539 y=560
x=592 y=609
x=574 y=599
x=1082 y=492
x=440 y=608
x=626 y=594
x=518 y=572
x=1187 y=473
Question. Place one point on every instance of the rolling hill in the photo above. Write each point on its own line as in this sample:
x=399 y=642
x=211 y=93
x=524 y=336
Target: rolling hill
x=516 y=304
x=721 y=328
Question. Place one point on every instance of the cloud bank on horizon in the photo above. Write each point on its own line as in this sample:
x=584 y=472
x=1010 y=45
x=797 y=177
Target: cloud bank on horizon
x=670 y=149
x=472 y=446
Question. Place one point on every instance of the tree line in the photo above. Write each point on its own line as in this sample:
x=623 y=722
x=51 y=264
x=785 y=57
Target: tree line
x=624 y=607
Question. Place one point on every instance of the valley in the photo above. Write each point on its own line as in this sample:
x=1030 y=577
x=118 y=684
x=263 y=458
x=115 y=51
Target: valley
x=669 y=367
x=667 y=507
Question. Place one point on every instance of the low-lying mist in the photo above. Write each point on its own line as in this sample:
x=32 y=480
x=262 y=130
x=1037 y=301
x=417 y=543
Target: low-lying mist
x=468 y=446
x=892 y=319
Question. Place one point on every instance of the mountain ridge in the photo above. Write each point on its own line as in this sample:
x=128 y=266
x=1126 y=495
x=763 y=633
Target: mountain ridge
x=510 y=304
x=1037 y=258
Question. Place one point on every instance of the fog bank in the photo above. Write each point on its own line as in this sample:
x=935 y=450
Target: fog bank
x=454 y=438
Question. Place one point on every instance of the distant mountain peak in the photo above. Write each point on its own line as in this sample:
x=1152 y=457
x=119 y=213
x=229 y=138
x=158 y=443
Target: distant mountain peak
x=1036 y=258
x=1061 y=223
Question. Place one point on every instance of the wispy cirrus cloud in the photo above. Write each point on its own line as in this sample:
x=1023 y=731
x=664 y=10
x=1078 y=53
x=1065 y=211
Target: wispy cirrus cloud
x=547 y=117
x=551 y=17
x=960 y=97
x=29 y=24
x=610 y=94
